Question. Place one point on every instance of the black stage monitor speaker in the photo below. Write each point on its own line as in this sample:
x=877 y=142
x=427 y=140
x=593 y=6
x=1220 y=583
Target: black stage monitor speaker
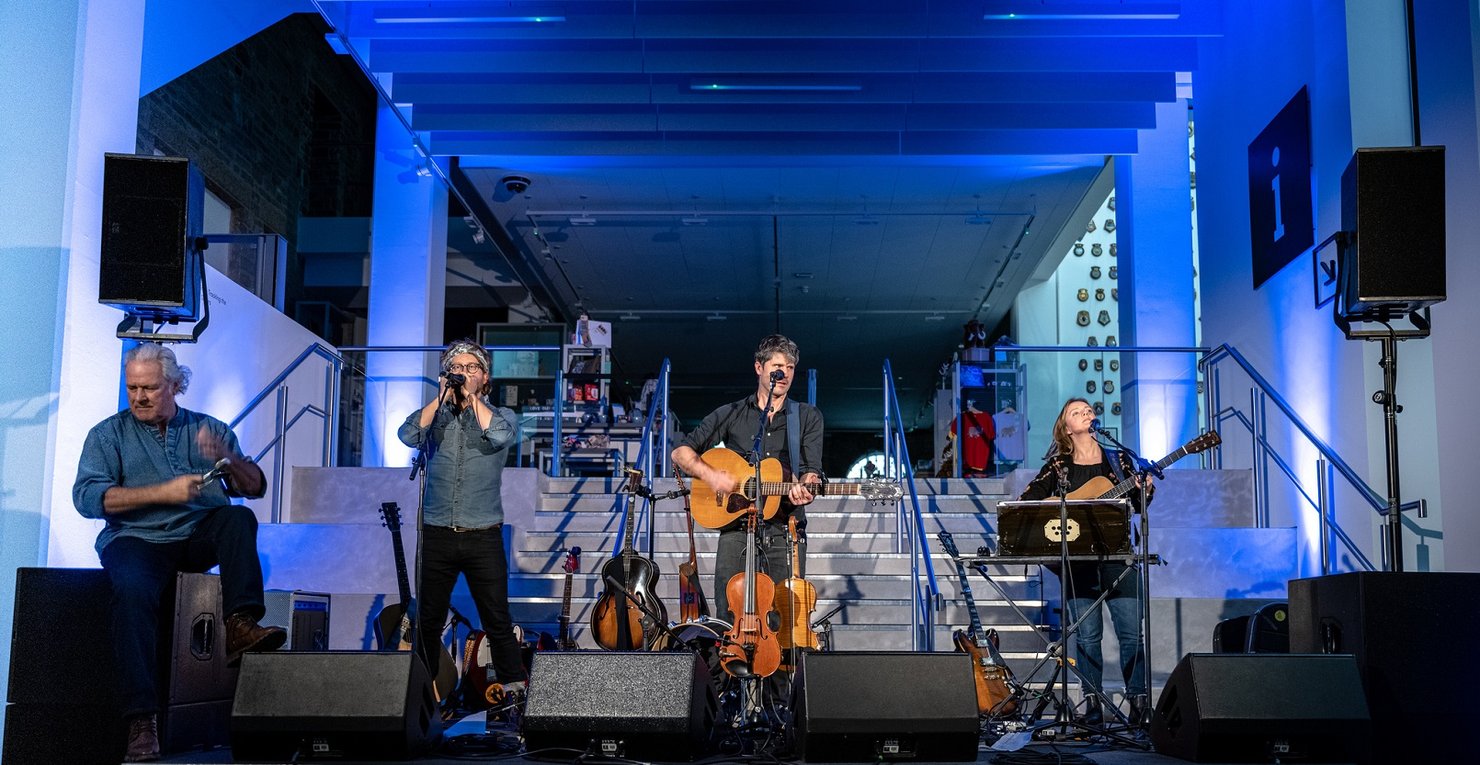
x=1407 y=631
x=151 y=220
x=1392 y=210
x=636 y=705
x=352 y=705
x=1258 y=707
x=867 y=706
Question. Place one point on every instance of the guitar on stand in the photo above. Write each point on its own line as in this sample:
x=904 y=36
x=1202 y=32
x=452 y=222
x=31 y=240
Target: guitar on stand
x=572 y=565
x=796 y=598
x=692 y=605
x=994 y=694
x=616 y=623
x=393 y=625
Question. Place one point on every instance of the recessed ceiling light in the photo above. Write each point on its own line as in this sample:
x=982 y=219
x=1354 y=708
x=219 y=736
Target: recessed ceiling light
x=694 y=220
x=582 y=220
x=716 y=317
x=935 y=317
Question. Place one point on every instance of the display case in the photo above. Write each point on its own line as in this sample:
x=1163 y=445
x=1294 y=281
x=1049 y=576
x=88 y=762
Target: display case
x=985 y=400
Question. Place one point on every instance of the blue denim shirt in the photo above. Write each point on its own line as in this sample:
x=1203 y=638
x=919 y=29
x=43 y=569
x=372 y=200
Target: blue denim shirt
x=465 y=465
x=121 y=451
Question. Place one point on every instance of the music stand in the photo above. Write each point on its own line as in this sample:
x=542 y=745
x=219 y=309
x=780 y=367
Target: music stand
x=1061 y=532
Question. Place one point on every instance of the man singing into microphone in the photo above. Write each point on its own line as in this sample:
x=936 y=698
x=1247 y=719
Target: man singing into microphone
x=788 y=422
x=466 y=441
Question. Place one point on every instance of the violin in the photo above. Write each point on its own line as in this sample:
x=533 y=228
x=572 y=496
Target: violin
x=795 y=600
x=750 y=648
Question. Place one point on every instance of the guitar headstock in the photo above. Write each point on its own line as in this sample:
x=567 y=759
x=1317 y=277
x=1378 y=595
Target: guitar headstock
x=390 y=515
x=572 y=561
x=948 y=543
x=1204 y=442
x=880 y=490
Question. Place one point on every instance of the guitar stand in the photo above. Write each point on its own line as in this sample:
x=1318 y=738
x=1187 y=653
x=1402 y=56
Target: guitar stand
x=1056 y=651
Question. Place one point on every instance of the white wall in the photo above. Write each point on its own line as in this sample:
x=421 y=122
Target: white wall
x=1265 y=56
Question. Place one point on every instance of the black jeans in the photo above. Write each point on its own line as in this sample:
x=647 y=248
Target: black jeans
x=140 y=571
x=772 y=558
x=479 y=556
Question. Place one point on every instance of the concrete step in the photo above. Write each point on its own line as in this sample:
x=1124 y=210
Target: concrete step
x=589 y=584
x=576 y=502
x=872 y=522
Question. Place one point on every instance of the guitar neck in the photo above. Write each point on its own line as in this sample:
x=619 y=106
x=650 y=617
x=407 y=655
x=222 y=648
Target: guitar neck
x=830 y=489
x=565 y=610
x=403 y=580
x=1125 y=487
x=976 y=620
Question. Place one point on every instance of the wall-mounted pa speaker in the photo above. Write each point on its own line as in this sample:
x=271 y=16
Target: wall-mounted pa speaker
x=152 y=217
x=1392 y=210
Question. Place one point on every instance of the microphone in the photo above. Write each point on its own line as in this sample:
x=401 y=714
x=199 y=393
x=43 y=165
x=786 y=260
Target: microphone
x=778 y=375
x=1094 y=425
x=454 y=379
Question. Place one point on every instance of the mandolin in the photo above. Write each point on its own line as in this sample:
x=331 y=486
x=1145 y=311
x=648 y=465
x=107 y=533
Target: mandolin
x=563 y=640
x=1100 y=487
x=691 y=601
x=715 y=510
x=795 y=600
x=993 y=694
x=750 y=648
x=618 y=624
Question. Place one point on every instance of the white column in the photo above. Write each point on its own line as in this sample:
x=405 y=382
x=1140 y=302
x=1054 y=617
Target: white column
x=408 y=280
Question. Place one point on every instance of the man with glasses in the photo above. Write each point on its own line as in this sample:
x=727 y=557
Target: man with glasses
x=465 y=441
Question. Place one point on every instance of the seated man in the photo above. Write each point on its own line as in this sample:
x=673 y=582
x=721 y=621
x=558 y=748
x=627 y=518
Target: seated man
x=144 y=472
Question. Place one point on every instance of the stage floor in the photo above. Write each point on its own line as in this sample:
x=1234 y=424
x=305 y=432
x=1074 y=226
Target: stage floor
x=466 y=741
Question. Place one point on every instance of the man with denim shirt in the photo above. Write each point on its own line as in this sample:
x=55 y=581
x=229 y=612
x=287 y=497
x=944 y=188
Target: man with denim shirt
x=466 y=441
x=144 y=472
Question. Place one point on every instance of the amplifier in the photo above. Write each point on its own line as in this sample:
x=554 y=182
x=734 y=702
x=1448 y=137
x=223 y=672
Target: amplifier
x=305 y=615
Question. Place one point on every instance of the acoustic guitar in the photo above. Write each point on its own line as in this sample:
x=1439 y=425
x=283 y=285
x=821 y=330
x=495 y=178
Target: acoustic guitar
x=715 y=510
x=994 y=695
x=393 y=623
x=1100 y=487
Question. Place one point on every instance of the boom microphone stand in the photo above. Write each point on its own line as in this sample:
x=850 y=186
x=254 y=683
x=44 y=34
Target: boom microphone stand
x=1145 y=470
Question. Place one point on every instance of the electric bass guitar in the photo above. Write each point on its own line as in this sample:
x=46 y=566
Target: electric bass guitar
x=994 y=695
x=393 y=625
x=715 y=510
x=1100 y=487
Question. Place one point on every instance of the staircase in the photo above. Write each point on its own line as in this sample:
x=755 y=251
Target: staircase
x=1219 y=564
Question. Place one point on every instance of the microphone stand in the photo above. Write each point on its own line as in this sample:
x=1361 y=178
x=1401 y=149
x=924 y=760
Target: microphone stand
x=1145 y=469
x=1064 y=715
x=418 y=469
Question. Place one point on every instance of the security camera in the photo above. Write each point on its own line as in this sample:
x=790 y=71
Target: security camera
x=516 y=184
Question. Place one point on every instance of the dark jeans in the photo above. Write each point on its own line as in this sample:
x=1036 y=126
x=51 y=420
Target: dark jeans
x=1089 y=581
x=479 y=556
x=771 y=557
x=140 y=571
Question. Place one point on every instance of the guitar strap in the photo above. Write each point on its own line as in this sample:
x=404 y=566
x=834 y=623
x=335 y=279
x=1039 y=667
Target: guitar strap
x=1113 y=455
x=794 y=437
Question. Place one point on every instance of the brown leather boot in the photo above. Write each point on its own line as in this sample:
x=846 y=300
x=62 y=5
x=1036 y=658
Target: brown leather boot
x=143 y=739
x=243 y=634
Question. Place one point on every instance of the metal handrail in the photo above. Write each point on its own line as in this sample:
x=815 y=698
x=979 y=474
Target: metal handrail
x=621 y=505
x=1328 y=459
x=328 y=412
x=912 y=529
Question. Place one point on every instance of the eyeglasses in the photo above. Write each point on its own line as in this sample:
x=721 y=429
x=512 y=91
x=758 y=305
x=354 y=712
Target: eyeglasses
x=465 y=368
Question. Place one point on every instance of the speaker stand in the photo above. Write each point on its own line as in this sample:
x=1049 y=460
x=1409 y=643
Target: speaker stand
x=1387 y=398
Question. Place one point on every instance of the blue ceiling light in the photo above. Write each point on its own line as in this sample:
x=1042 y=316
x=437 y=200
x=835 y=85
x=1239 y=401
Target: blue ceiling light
x=776 y=87
x=1079 y=11
x=468 y=19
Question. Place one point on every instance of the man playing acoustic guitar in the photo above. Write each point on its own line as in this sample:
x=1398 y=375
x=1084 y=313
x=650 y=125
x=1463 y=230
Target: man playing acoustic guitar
x=793 y=435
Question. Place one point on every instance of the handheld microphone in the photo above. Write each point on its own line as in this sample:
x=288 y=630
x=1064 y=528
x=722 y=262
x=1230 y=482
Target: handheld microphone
x=454 y=379
x=778 y=375
x=1094 y=425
